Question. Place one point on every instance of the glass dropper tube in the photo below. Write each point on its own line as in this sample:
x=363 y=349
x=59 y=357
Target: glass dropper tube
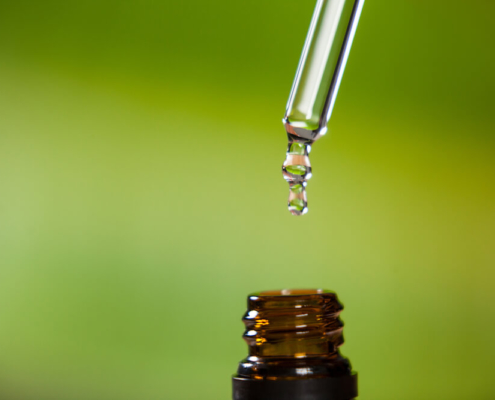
x=322 y=64
x=315 y=88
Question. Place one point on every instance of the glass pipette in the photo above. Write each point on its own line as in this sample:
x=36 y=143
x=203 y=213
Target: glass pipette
x=315 y=88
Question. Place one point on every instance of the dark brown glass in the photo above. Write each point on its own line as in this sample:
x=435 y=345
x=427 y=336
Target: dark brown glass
x=294 y=335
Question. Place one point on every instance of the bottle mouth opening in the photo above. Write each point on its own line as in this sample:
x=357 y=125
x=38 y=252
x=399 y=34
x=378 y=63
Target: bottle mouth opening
x=291 y=292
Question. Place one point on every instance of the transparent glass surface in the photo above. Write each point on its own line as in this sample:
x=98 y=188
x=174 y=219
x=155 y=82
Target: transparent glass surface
x=322 y=63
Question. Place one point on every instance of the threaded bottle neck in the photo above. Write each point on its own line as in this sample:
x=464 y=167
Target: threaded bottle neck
x=294 y=338
x=293 y=324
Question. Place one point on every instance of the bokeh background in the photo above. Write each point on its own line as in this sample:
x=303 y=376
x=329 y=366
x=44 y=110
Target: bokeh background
x=141 y=197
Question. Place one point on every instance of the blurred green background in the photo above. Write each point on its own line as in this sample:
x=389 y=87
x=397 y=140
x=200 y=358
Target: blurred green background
x=141 y=197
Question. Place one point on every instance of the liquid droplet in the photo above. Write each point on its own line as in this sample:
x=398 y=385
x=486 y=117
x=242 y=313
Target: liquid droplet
x=298 y=188
x=297 y=206
x=297 y=170
x=297 y=148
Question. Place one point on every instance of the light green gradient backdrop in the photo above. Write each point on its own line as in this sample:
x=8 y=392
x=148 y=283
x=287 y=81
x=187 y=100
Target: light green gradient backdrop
x=142 y=199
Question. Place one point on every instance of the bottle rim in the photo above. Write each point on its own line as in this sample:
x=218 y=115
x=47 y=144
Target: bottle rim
x=289 y=293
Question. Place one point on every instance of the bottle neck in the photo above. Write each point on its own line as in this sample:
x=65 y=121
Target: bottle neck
x=294 y=338
x=293 y=324
x=293 y=334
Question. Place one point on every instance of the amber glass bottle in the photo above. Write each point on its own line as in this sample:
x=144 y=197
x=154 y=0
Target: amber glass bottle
x=294 y=338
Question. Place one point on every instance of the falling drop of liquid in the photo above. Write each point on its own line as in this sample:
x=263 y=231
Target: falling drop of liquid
x=297 y=170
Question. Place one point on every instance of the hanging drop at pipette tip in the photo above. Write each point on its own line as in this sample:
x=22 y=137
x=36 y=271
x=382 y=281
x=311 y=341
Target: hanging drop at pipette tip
x=296 y=171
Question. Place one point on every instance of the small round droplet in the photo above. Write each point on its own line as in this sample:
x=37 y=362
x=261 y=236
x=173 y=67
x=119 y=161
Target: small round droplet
x=298 y=206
